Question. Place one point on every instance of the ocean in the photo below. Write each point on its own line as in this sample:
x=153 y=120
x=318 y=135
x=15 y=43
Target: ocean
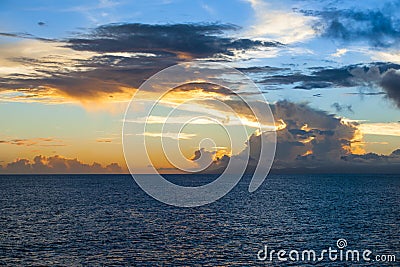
x=107 y=220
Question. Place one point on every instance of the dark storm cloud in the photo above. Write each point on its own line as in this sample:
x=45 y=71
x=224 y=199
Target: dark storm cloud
x=198 y=40
x=127 y=54
x=313 y=85
x=312 y=142
x=308 y=130
x=320 y=78
x=379 y=27
x=365 y=77
x=317 y=79
x=385 y=76
x=391 y=84
x=347 y=76
x=311 y=139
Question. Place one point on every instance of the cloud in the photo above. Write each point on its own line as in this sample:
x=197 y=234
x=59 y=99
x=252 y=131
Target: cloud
x=314 y=142
x=385 y=76
x=47 y=72
x=203 y=158
x=57 y=164
x=367 y=78
x=340 y=52
x=172 y=120
x=379 y=27
x=312 y=132
x=321 y=78
x=104 y=140
x=391 y=128
x=47 y=142
x=192 y=40
x=24 y=35
x=373 y=160
x=391 y=84
x=109 y=62
x=340 y=108
x=29 y=58
x=308 y=139
x=285 y=26
x=388 y=56
x=175 y=136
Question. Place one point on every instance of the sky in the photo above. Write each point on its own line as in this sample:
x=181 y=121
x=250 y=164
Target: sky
x=329 y=69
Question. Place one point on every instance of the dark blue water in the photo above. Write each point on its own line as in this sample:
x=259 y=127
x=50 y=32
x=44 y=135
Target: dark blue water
x=97 y=220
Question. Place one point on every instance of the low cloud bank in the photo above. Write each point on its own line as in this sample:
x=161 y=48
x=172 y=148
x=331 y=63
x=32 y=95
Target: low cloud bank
x=57 y=164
